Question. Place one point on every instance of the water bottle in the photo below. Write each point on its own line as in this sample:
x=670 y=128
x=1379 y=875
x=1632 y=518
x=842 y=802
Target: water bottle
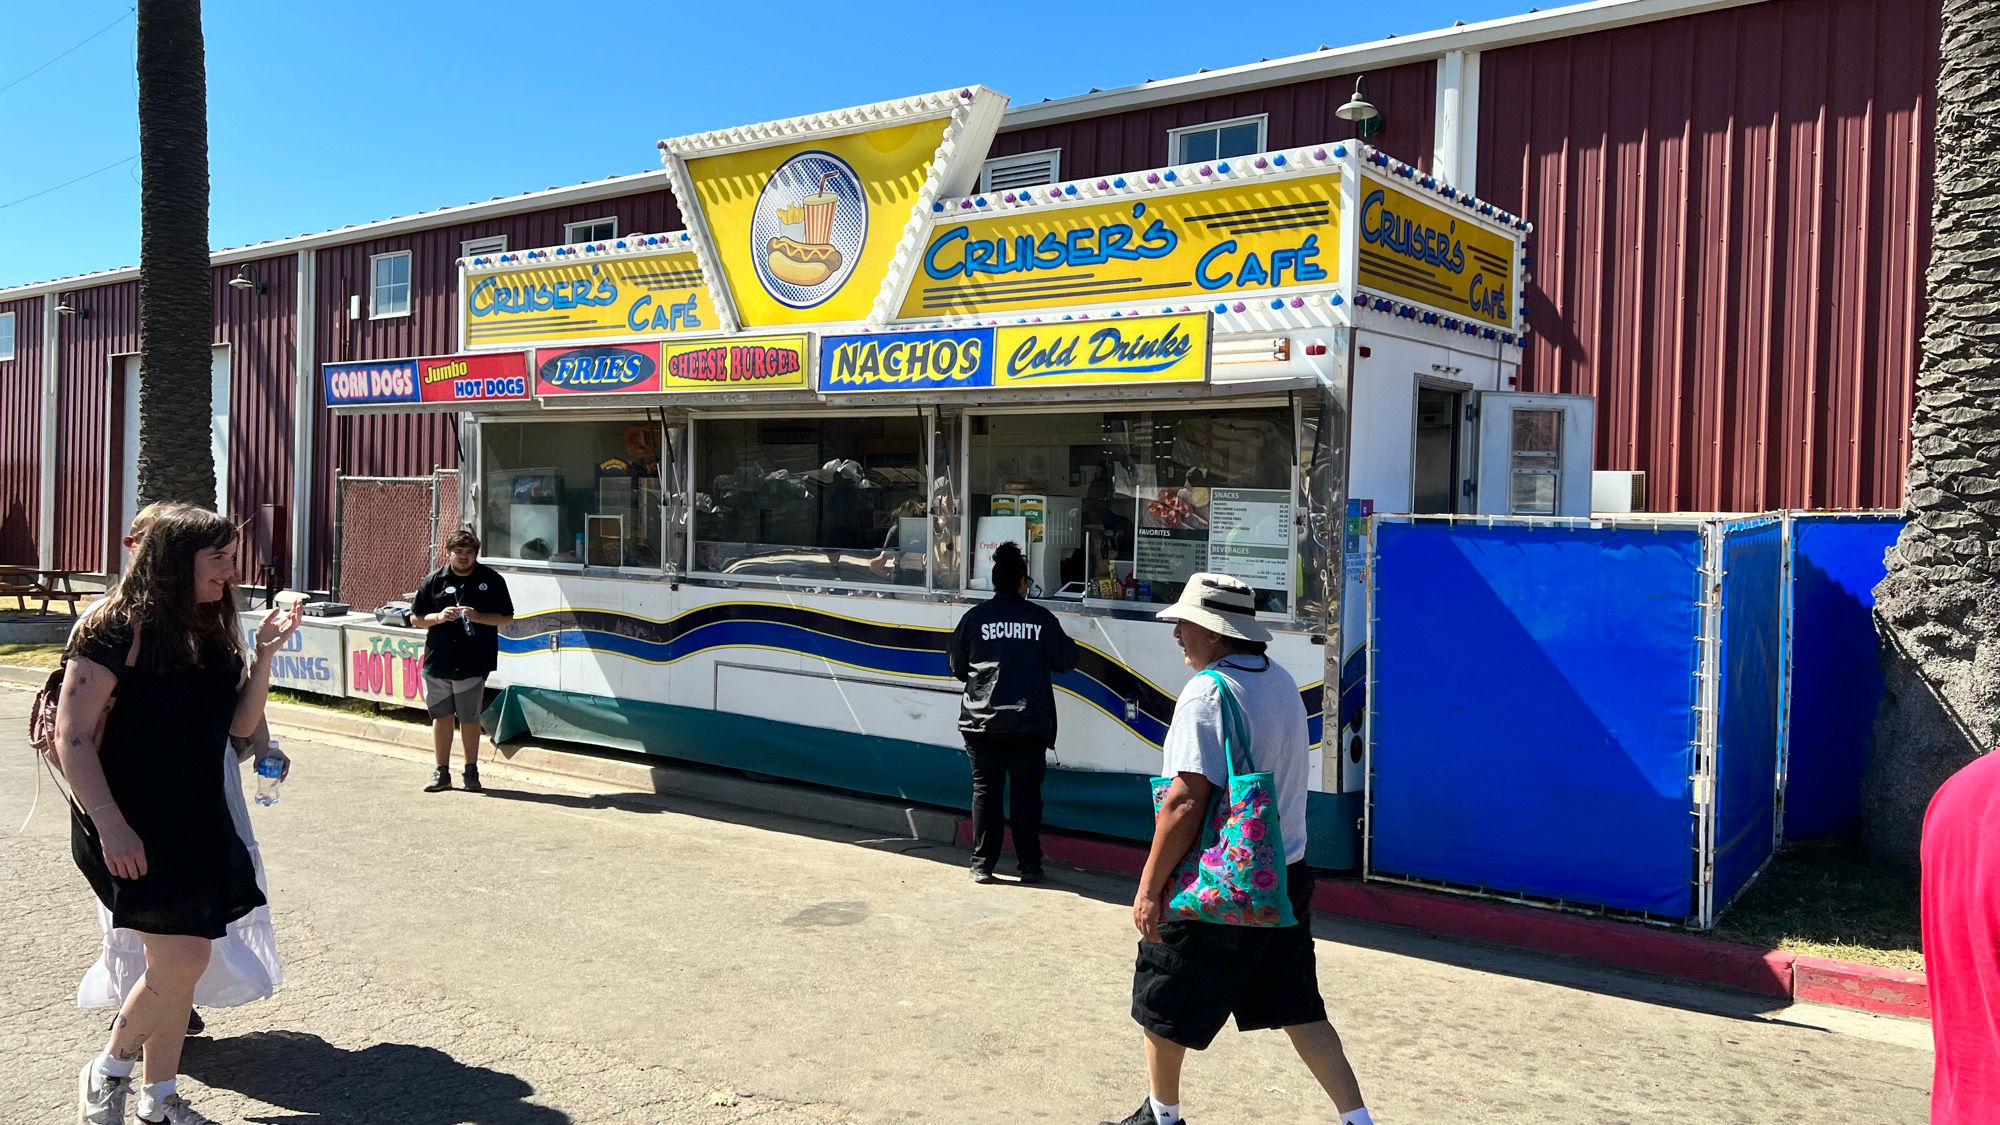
x=270 y=776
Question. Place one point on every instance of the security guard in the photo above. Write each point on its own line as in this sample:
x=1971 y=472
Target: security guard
x=1007 y=651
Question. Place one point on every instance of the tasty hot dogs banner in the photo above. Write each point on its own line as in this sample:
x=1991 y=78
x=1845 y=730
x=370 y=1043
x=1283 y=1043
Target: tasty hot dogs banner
x=1117 y=352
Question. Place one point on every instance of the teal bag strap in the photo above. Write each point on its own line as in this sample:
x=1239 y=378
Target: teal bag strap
x=1232 y=715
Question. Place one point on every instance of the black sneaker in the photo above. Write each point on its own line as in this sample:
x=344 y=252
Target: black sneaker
x=1141 y=1116
x=1030 y=878
x=196 y=1025
x=440 y=780
x=982 y=875
x=472 y=780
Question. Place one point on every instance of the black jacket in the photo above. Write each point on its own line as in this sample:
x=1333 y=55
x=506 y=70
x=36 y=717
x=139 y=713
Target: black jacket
x=1007 y=650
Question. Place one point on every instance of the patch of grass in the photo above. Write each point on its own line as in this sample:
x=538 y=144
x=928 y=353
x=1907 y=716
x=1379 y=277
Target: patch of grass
x=31 y=656
x=1821 y=898
x=362 y=707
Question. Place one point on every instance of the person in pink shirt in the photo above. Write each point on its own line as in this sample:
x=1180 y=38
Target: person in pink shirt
x=1961 y=924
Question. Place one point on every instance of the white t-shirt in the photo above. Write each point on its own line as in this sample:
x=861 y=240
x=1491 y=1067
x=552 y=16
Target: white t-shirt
x=1269 y=700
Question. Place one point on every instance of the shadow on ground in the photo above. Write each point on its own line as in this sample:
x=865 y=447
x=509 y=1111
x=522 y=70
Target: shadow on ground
x=385 y=1084
x=1116 y=889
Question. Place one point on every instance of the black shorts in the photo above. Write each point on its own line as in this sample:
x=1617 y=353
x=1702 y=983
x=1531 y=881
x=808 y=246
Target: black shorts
x=1189 y=983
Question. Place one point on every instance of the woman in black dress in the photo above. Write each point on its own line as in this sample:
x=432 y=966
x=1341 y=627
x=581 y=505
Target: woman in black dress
x=155 y=682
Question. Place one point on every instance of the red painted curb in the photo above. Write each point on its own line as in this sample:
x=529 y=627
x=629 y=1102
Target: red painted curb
x=1868 y=987
x=1665 y=952
x=1596 y=939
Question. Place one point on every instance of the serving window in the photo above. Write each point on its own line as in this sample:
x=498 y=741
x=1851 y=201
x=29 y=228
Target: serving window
x=1123 y=506
x=580 y=493
x=834 y=499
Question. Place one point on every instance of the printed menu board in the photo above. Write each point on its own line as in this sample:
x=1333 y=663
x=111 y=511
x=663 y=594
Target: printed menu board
x=1250 y=535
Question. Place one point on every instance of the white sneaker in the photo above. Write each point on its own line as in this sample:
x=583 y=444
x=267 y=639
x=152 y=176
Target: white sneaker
x=100 y=1098
x=174 y=1110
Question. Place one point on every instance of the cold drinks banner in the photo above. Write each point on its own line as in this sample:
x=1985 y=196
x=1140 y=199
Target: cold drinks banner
x=1271 y=233
x=1445 y=260
x=572 y=299
x=439 y=381
x=1129 y=350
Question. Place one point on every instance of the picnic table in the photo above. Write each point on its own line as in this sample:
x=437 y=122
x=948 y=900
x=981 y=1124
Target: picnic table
x=24 y=582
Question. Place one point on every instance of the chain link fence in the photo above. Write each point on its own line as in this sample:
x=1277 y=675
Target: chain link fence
x=390 y=532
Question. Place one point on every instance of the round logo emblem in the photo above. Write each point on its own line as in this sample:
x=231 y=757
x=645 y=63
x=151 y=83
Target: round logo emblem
x=807 y=230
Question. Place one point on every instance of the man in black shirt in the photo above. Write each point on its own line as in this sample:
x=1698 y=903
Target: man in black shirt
x=1007 y=650
x=463 y=604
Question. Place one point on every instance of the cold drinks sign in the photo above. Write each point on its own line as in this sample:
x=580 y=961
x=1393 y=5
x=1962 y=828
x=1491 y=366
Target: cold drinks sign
x=438 y=381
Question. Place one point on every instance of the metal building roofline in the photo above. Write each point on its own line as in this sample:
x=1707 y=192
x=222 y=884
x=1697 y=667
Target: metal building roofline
x=1507 y=31
x=1556 y=23
x=381 y=228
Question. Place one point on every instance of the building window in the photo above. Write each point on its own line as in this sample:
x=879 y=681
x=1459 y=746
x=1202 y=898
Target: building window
x=480 y=247
x=1125 y=505
x=594 y=230
x=1029 y=169
x=1217 y=140
x=1536 y=463
x=389 y=285
x=820 y=499
x=572 y=492
x=7 y=336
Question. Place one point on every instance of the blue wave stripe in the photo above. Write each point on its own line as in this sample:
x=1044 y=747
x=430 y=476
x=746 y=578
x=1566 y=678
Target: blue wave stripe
x=789 y=638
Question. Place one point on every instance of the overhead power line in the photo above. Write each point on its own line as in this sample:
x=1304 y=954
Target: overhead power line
x=66 y=183
x=72 y=50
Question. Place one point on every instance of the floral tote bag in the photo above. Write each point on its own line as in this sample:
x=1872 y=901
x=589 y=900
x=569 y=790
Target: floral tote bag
x=1235 y=873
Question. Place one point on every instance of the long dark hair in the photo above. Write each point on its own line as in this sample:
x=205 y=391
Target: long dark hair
x=156 y=591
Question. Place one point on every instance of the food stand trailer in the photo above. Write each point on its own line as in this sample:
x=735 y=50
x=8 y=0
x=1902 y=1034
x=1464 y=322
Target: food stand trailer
x=744 y=478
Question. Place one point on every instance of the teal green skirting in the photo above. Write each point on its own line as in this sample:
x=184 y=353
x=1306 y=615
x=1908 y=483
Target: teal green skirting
x=1108 y=804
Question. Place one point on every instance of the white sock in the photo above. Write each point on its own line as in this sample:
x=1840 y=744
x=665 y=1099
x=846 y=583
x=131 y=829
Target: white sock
x=151 y=1096
x=1357 y=1117
x=1163 y=1113
x=111 y=1067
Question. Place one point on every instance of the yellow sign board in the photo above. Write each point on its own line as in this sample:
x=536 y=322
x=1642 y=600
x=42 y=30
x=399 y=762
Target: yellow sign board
x=1413 y=249
x=740 y=363
x=804 y=232
x=1270 y=233
x=1151 y=349
x=610 y=298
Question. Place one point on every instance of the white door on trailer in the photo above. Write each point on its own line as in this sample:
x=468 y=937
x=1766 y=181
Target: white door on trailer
x=1535 y=453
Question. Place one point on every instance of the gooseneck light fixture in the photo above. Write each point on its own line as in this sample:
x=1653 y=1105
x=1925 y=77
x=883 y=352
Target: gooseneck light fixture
x=1358 y=109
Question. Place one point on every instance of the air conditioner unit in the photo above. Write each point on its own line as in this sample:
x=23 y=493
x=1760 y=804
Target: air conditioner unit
x=1617 y=491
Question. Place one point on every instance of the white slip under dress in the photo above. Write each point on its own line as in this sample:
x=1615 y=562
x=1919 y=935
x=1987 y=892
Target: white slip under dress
x=243 y=964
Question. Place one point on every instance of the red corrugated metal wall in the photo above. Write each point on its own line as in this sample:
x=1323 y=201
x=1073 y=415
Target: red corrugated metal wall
x=414 y=444
x=1299 y=114
x=21 y=436
x=1733 y=216
x=261 y=331
x=85 y=348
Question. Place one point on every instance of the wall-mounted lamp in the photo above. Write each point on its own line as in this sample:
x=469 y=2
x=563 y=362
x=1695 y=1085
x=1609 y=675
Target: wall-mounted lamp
x=243 y=280
x=1367 y=119
x=64 y=308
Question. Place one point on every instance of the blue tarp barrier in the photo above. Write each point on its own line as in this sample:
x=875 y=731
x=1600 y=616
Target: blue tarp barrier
x=1836 y=679
x=1534 y=710
x=1753 y=572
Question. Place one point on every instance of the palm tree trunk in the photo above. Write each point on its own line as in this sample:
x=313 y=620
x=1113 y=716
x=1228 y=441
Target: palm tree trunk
x=1938 y=610
x=175 y=305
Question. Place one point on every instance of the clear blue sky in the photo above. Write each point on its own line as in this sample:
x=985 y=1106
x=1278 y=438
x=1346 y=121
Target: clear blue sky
x=322 y=115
